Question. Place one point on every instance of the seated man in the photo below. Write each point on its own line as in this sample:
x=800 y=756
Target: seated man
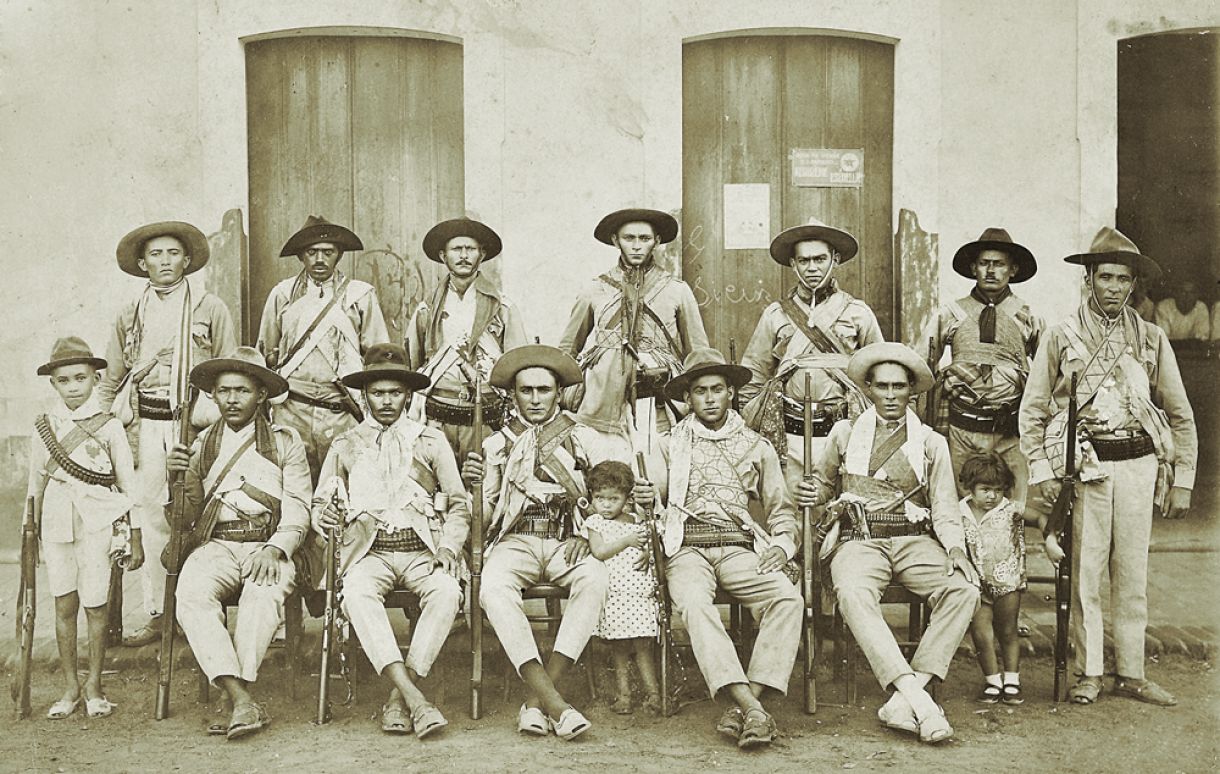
x=899 y=511
x=241 y=535
x=715 y=466
x=532 y=471
x=396 y=485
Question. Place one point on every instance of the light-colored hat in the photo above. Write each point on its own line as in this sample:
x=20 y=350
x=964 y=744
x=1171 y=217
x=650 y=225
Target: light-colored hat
x=70 y=350
x=131 y=246
x=1112 y=246
x=317 y=230
x=663 y=222
x=890 y=352
x=995 y=239
x=786 y=240
x=244 y=360
x=555 y=360
x=439 y=235
x=705 y=361
x=386 y=361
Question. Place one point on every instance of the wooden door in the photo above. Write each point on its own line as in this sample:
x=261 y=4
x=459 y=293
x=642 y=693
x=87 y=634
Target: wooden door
x=746 y=102
x=363 y=131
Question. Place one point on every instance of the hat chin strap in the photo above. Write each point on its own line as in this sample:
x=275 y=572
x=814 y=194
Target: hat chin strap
x=1110 y=320
x=821 y=283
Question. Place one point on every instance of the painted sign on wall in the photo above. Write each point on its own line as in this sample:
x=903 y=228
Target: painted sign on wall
x=827 y=167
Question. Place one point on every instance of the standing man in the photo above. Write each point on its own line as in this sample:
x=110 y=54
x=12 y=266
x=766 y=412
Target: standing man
x=813 y=330
x=630 y=331
x=993 y=336
x=715 y=466
x=407 y=516
x=316 y=327
x=896 y=518
x=247 y=513
x=533 y=477
x=1138 y=448
x=460 y=331
x=165 y=331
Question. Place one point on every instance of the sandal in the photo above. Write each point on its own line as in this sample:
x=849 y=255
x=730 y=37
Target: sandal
x=247 y=718
x=1145 y=691
x=62 y=709
x=570 y=725
x=427 y=720
x=990 y=694
x=622 y=705
x=936 y=728
x=145 y=635
x=530 y=720
x=897 y=714
x=759 y=729
x=99 y=707
x=652 y=703
x=394 y=719
x=1085 y=691
x=1012 y=694
x=732 y=722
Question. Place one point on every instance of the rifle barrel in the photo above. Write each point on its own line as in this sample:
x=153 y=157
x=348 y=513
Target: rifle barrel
x=476 y=565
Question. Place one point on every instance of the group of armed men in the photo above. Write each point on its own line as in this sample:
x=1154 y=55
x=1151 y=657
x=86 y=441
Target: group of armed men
x=327 y=423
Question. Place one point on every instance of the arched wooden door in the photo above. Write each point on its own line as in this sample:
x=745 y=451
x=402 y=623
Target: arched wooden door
x=363 y=131
x=747 y=103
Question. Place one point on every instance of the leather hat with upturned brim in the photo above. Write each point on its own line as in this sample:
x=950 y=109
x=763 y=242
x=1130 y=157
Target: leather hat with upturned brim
x=995 y=239
x=317 y=230
x=439 y=235
x=664 y=223
x=386 y=361
x=555 y=360
x=131 y=247
x=705 y=361
x=784 y=242
x=889 y=352
x=244 y=360
x=1112 y=246
x=70 y=350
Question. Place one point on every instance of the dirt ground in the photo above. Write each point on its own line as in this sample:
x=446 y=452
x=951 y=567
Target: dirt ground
x=1114 y=735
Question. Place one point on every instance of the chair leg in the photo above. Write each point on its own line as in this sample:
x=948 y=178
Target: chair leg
x=663 y=671
x=292 y=640
x=204 y=687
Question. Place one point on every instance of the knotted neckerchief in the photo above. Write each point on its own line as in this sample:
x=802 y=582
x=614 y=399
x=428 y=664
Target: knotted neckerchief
x=987 y=316
x=382 y=480
x=820 y=294
x=681 y=442
x=303 y=282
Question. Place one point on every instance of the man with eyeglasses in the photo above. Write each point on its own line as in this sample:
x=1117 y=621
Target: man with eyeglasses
x=317 y=326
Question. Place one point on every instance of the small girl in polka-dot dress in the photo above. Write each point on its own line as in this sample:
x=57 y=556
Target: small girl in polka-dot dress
x=629 y=617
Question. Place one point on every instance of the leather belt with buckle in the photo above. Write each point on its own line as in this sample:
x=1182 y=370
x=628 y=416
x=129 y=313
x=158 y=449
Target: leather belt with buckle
x=887 y=525
x=983 y=420
x=241 y=534
x=333 y=406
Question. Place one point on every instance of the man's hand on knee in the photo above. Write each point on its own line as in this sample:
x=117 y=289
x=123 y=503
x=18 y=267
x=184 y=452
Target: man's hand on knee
x=263 y=566
x=957 y=560
x=447 y=561
x=575 y=549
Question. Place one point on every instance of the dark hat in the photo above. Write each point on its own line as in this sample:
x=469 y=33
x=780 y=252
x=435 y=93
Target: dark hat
x=131 y=247
x=244 y=360
x=705 y=361
x=663 y=222
x=439 y=235
x=70 y=350
x=995 y=239
x=386 y=361
x=889 y=352
x=1112 y=246
x=786 y=240
x=318 y=230
x=555 y=360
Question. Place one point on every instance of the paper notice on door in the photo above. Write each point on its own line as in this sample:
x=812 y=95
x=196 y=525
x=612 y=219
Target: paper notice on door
x=747 y=216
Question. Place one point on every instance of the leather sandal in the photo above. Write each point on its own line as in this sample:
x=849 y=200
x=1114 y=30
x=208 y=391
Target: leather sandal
x=1085 y=691
x=1012 y=695
x=990 y=694
x=1145 y=691
x=731 y=722
x=62 y=709
x=935 y=728
x=427 y=719
x=897 y=714
x=247 y=718
x=100 y=707
x=145 y=635
x=570 y=725
x=531 y=720
x=622 y=705
x=394 y=719
x=759 y=729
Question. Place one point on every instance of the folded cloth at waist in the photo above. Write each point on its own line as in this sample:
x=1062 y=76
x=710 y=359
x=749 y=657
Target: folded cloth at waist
x=1128 y=447
x=702 y=535
x=241 y=532
x=825 y=414
x=983 y=419
x=153 y=407
x=450 y=408
x=401 y=540
x=885 y=525
x=334 y=406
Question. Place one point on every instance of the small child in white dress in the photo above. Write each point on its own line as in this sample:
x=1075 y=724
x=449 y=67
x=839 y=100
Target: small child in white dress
x=629 y=618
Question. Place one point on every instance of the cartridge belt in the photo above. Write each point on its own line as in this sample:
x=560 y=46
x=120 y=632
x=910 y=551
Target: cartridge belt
x=1118 y=449
x=399 y=541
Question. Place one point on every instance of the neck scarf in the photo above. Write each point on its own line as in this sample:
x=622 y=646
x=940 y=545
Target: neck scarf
x=681 y=441
x=987 y=316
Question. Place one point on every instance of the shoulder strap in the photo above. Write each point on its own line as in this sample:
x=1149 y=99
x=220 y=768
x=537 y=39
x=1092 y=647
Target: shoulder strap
x=648 y=312
x=823 y=341
x=340 y=292
x=60 y=452
x=224 y=471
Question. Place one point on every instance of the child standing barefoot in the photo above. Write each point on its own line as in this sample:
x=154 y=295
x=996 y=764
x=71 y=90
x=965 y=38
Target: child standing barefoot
x=995 y=537
x=629 y=617
x=80 y=467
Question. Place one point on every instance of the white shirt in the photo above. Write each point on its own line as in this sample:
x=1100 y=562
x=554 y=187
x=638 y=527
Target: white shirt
x=1178 y=326
x=457 y=316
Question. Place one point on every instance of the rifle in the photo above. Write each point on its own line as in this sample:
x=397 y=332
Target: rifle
x=174 y=559
x=26 y=610
x=349 y=402
x=331 y=583
x=1059 y=523
x=929 y=404
x=733 y=360
x=476 y=565
x=807 y=551
x=662 y=592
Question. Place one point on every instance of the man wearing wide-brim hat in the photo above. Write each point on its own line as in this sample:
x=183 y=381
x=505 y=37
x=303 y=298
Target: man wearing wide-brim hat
x=895 y=518
x=714 y=468
x=458 y=332
x=316 y=327
x=157 y=338
x=630 y=329
x=391 y=484
x=1138 y=450
x=811 y=331
x=993 y=335
x=532 y=471
x=246 y=518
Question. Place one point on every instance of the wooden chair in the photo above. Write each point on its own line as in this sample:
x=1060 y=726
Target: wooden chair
x=293 y=628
